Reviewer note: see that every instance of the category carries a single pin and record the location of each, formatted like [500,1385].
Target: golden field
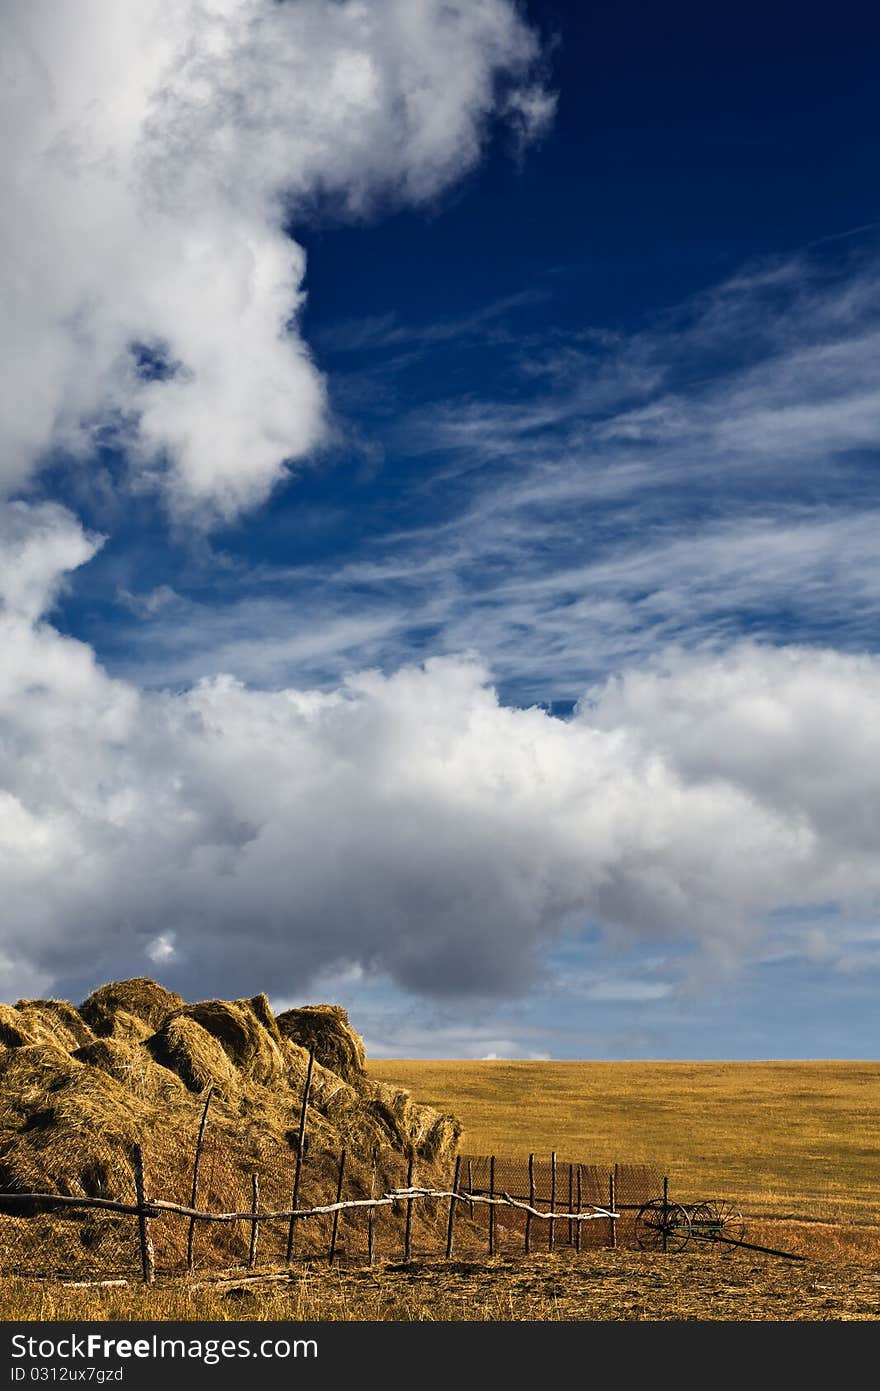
[796,1145]
[784,1139]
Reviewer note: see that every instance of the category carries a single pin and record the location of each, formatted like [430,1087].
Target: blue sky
[438,520]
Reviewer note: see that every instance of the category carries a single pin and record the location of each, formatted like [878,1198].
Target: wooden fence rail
[152,1207]
[146,1208]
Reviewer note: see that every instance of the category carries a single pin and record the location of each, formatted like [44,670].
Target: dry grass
[785,1139]
[604,1285]
[794,1144]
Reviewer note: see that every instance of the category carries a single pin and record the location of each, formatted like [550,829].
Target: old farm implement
[664,1225]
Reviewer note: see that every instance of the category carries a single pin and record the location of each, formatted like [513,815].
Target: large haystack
[79,1088]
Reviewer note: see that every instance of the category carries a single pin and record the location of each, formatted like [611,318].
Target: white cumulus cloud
[409,824]
[154,154]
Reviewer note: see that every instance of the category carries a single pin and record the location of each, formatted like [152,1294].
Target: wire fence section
[556,1186]
[46,1239]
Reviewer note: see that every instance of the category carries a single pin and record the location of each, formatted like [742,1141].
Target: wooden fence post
[371,1235]
[148,1260]
[551,1236]
[194,1192]
[453,1204]
[492,1205]
[407,1233]
[531,1203]
[255,1204]
[303,1116]
[339,1200]
[578,1225]
[612,1199]
[665,1213]
[470,1182]
[571,1204]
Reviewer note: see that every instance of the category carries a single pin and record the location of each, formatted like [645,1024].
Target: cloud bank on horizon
[154,155]
[410,823]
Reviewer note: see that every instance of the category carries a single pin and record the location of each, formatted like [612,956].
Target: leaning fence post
[303,1115]
[531,1203]
[470,1184]
[255,1203]
[453,1203]
[197,1159]
[577,1225]
[492,1205]
[148,1260]
[339,1200]
[612,1199]
[407,1232]
[552,1223]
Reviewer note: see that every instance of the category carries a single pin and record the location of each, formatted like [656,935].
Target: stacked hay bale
[134,1065]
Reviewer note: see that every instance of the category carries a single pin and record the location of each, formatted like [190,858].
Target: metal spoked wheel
[663,1226]
[718,1222]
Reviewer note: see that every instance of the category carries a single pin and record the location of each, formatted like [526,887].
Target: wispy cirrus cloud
[380,332]
[545,632]
[706,477]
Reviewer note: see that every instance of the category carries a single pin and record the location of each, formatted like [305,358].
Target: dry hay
[326,1029]
[55,1021]
[127,1026]
[410,1126]
[13,1030]
[63,1126]
[132,1064]
[193,1054]
[79,1088]
[139,997]
[247,1033]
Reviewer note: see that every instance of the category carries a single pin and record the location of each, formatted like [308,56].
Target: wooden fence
[147,1208]
[574,1204]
